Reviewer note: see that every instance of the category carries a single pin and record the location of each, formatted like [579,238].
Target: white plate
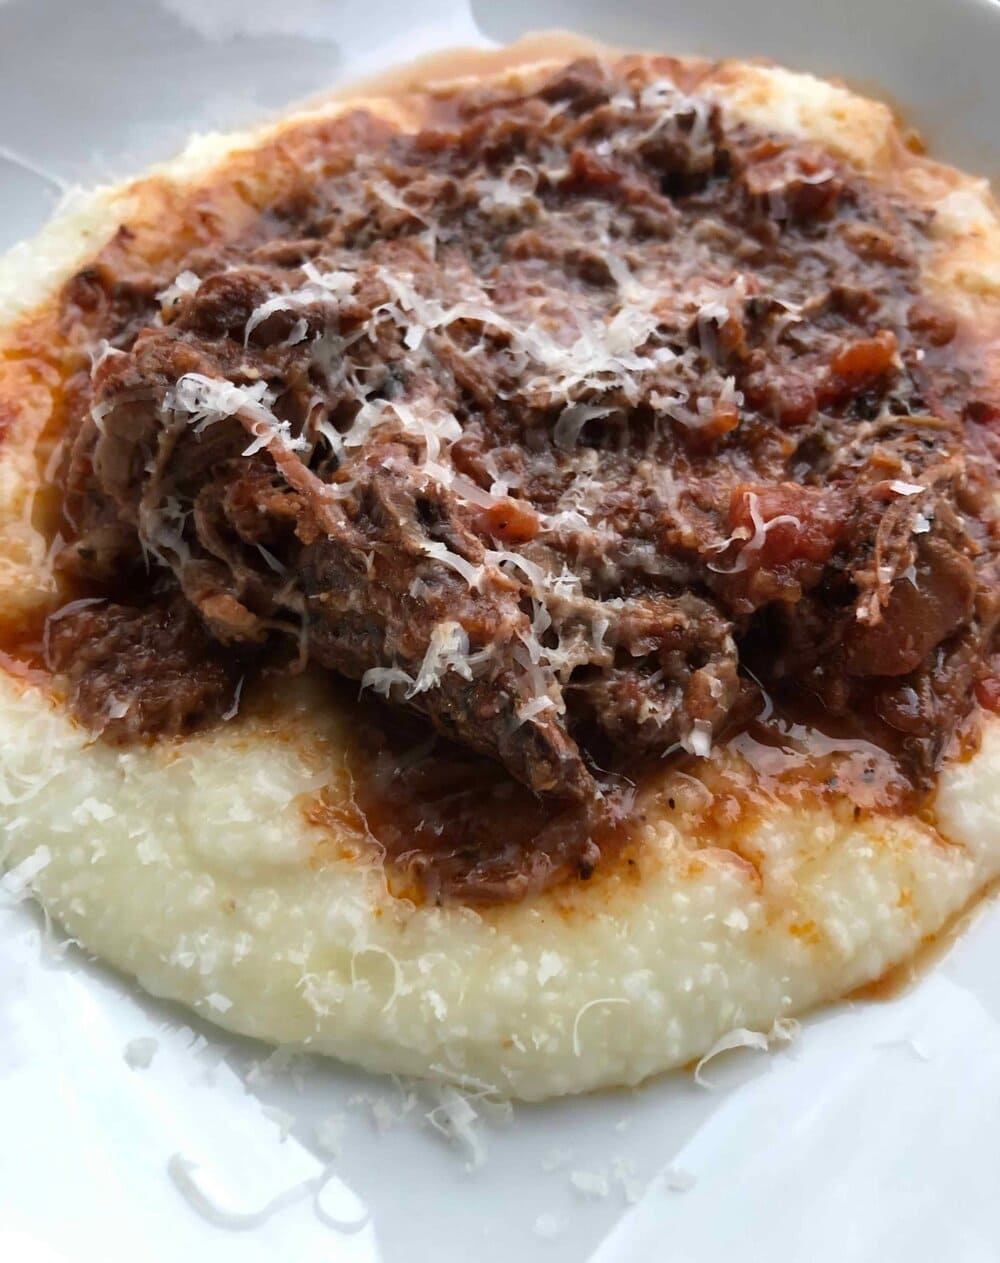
[873,1137]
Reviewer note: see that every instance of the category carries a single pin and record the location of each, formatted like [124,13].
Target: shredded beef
[137,671]
[560,422]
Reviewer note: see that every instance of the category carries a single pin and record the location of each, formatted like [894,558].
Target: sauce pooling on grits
[454,825]
[613,443]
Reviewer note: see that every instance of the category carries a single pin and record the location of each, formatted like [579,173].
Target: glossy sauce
[448,821]
[455,825]
[439,815]
[431,808]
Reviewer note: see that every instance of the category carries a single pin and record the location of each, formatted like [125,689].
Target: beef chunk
[544,423]
[138,672]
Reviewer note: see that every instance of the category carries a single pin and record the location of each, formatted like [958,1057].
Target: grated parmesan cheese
[754,540]
[184,283]
[590,1184]
[207,400]
[455,1118]
[139,1053]
[17,881]
[678,1180]
[382,679]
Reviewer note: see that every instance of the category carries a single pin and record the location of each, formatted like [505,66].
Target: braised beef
[559,422]
[135,671]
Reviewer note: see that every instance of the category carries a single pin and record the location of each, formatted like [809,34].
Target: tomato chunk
[799,524]
[861,362]
[511,521]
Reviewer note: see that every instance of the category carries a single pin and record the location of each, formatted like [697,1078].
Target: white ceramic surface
[872,1137]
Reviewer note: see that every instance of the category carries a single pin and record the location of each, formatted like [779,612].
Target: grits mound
[193,869]
[193,865]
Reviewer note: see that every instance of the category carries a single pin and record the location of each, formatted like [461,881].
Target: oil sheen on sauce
[433,809]
[453,826]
